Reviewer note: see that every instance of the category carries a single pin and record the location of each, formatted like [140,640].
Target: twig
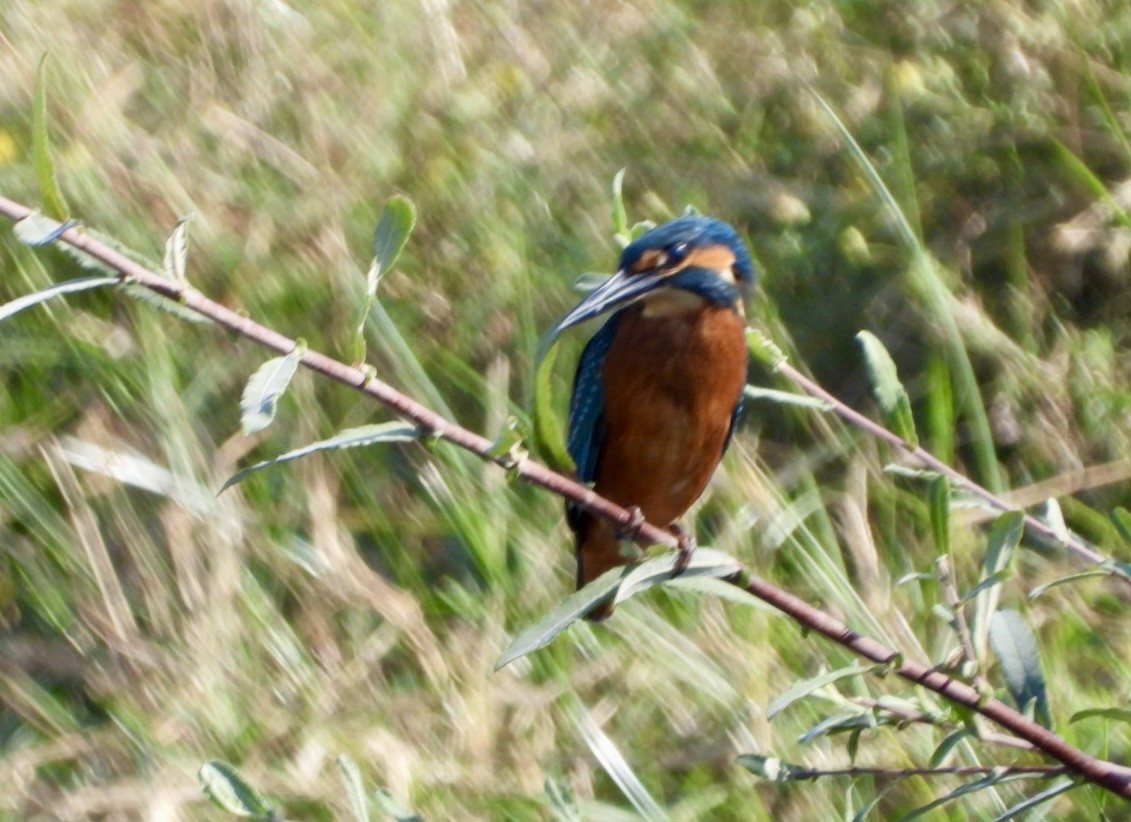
[962,628]
[1114,778]
[1070,542]
[908,715]
[1038,771]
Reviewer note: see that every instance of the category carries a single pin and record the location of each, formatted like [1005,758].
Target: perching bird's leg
[686,547]
[630,529]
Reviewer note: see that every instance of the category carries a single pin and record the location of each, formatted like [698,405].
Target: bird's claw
[630,528]
[685,545]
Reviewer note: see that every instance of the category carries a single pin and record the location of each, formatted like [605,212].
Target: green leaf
[981,784]
[1118,714]
[940,514]
[763,349]
[391,806]
[947,745]
[755,392]
[839,723]
[37,229]
[176,251]
[1001,543]
[151,298]
[1045,586]
[547,425]
[355,792]
[705,562]
[349,438]
[1015,811]
[68,287]
[889,392]
[806,687]
[227,789]
[509,446]
[562,804]
[1122,519]
[53,203]
[1020,660]
[565,614]
[398,218]
[620,216]
[718,588]
[260,397]
[770,767]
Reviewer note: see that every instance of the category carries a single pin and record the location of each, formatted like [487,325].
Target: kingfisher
[659,387]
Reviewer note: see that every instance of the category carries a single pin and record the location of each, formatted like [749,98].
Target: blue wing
[587,405]
[734,417]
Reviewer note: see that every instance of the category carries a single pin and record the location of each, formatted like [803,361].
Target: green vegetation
[961,197]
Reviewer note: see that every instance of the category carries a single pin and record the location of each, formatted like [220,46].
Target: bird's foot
[630,528]
[685,545]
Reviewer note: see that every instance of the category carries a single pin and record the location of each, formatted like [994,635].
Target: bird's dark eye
[678,251]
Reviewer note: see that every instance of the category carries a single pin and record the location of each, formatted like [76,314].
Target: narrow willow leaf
[176,251]
[838,723]
[547,425]
[349,438]
[1033,801]
[1118,714]
[806,687]
[53,203]
[987,781]
[889,392]
[755,392]
[718,588]
[151,298]
[37,229]
[565,614]
[1043,587]
[763,349]
[940,514]
[1054,517]
[509,446]
[985,584]
[355,792]
[562,804]
[260,397]
[705,562]
[398,218]
[1122,519]
[1001,543]
[769,767]
[391,806]
[947,745]
[1020,660]
[620,216]
[68,287]
[225,787]
[639,229]
[617,767]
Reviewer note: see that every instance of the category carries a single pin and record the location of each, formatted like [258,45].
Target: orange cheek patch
[650,259]
[711,257]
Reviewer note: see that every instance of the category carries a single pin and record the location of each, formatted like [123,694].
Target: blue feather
[587,405]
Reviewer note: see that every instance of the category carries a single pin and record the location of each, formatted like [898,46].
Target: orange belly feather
[671,384]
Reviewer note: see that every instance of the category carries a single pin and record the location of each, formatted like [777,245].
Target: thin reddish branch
[927,459]
[1106,774]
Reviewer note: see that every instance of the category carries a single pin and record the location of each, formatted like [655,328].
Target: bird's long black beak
[618,291]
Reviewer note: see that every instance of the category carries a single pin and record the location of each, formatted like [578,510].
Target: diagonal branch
[1046,532]
[1114,778]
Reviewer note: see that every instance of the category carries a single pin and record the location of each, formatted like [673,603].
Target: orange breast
[671,386]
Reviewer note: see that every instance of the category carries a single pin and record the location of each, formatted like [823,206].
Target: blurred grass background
[355,603]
